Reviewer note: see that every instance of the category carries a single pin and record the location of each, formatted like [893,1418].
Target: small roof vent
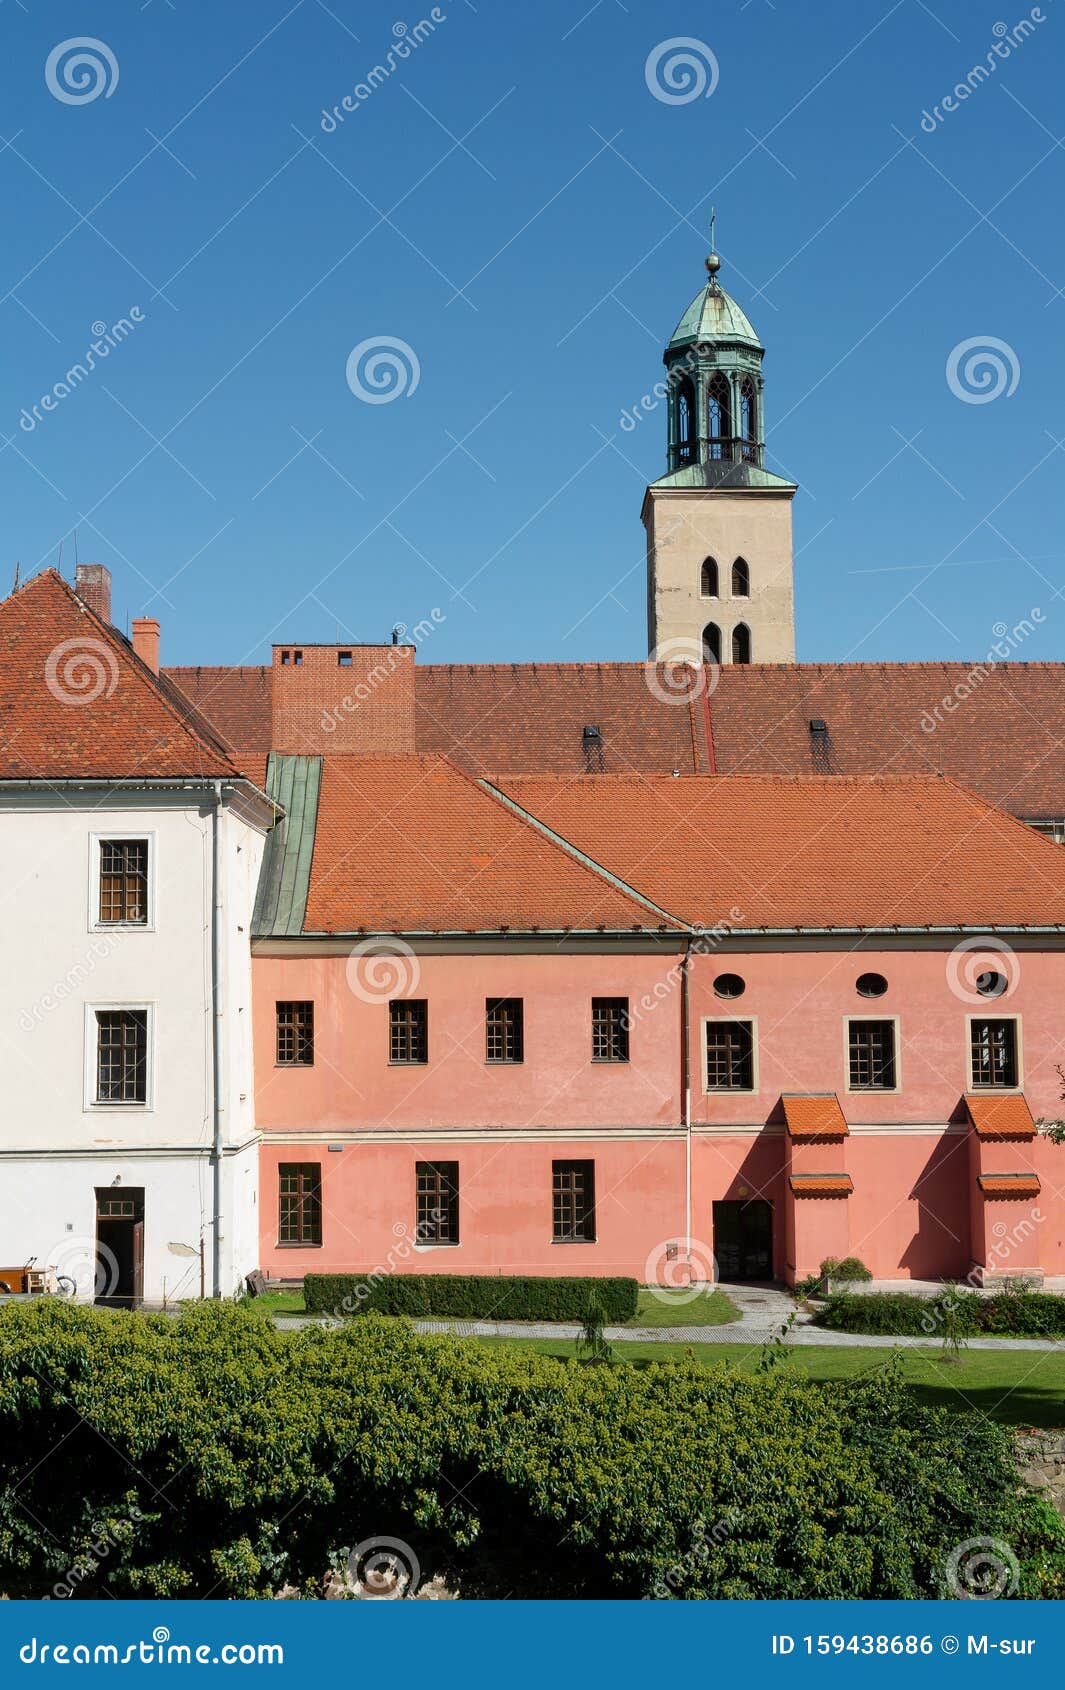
[592,746]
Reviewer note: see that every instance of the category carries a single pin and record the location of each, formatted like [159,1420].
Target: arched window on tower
[718,415]
[741,579]
[708,579]
[741,643]
[748,419]
[711,643]
[686,443]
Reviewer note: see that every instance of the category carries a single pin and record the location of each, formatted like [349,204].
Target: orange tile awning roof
[1009,1185]
[821,1185]
[814,1115]
[1000,1117]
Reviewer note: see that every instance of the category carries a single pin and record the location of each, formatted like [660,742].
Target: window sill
[574,1240]
[504,1061]
[293,1064]
[298,1246]
[610,1061]
[414,1062]
[438,1244]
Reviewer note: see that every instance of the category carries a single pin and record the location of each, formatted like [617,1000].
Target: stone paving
[763,1311]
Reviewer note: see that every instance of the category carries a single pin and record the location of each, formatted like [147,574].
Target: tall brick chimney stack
[146,641]
[92,583]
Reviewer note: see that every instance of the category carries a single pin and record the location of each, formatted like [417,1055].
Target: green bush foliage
[470,1296]
[1019,1314]
[216,1456]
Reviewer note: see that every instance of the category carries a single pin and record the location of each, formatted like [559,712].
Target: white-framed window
[730,1054]
[995,1052]
[122,882]
[119,1055]
[872,1055]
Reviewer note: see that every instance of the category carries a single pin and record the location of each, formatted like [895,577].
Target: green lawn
[1018,1387]
[655,1308]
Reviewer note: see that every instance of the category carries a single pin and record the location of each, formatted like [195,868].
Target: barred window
[438,1202]
[295,1035]
[124,881]
[573,1202]
[122,1056]
[408,1030]
[610,1029]
[729,1056]
[993,1046]
[299,1219]
[504,1030]
[871,1055]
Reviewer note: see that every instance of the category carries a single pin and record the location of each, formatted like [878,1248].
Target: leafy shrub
[469,1296]
[850,1270]
[960,1313]
[214,1455]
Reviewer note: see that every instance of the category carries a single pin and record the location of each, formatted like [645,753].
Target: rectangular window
[295,1035]
[610,1029]
[121,1056]
[573,1202]
[993,1046]
[123,882]
[299,1214]
[408,1030]
[729,1056]
[438,1202]
[871,1055]
[504,1030]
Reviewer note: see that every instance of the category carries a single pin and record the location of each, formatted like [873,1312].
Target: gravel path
[763,1311]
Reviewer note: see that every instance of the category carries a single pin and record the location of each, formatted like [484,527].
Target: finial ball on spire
[713,264]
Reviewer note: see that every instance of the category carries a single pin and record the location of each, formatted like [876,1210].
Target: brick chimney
[146,641]
[92,584]
[353,698]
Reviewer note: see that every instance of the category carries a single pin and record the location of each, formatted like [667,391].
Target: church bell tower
[719,563]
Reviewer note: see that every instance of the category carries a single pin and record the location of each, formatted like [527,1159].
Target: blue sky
[516,205]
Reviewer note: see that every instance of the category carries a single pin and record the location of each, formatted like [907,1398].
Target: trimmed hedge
[470,1296]
[214,1455]
[1020,1314]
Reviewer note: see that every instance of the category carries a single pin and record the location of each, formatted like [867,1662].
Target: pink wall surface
[912,1212]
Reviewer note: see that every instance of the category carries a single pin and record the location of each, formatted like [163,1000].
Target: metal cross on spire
[713,262]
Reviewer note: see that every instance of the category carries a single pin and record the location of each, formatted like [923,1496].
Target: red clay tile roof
[853,852]
[814,1115]
[76,702]
[821,1185]
[413,844]
[1000,1117]
[1004,736]
[524,717]
[237,702]
[1009,1185]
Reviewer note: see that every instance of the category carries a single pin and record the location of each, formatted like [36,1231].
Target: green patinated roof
[713,315]
[281,898]
[726,474]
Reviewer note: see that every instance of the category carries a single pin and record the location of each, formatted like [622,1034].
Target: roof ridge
[144,674]
[588,863]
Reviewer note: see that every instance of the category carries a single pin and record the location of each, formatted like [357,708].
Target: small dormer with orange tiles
[817,1185]
[1005,1220]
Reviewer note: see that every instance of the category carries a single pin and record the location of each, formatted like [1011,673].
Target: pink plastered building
[655,1026]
